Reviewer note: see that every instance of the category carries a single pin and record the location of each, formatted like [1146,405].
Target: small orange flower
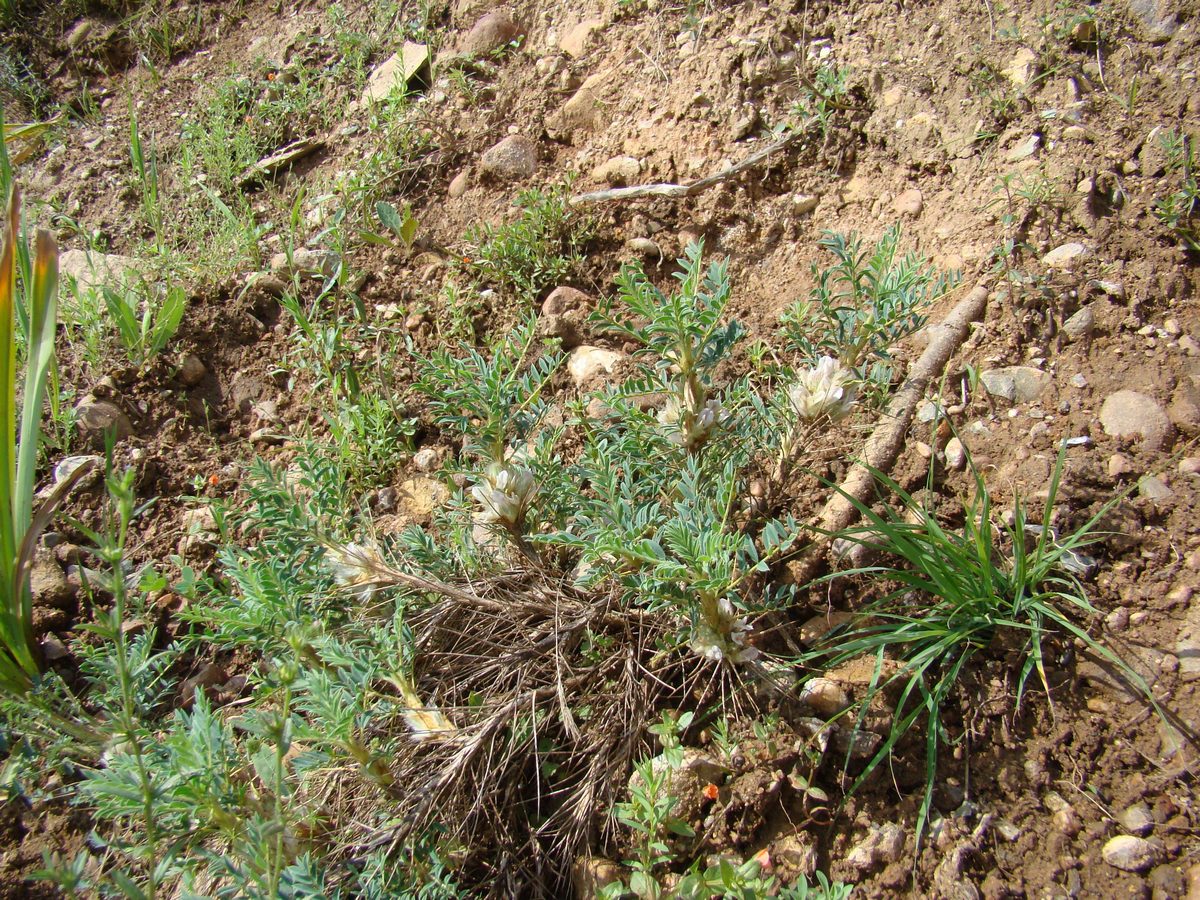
[711,791]
[271,76]
[214,479]
[763,858]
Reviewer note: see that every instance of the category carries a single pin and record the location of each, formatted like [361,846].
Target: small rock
[591,874]
[1160,21]
[420,496]
[909,203]
[493,31]
[1152,488]
[563,300]
[587,364]
[92,271]
[1023,68]
[95,418]
[619,170]
[512,159]
[956,454]
[48,583]
[426,459]
[881,846]
[1184,411]
[1119,465]
[1081,324]
[266,437]
[1137,820]
[568,328]
[575,42]
[687,782]
[803,204]
[1189,465]
[824,697]
[1167,882]
[814,629]
[398,70]
[210,675]
[1067,821]
[459,184]
[1025,149]
[306,261]
[644,247]
[1017,384]
[191,370]
[1065,255]
[1129,853]
[797,853]
[53,648]
[1132,414]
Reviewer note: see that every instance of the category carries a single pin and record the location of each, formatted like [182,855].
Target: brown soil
[675,99]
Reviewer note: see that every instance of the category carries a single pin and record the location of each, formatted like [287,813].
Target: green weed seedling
[1178,210]
[144,323]
[952,595]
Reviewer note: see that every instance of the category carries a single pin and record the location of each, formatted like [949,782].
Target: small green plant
[823,95]
[401,224]
[1178,210]
[955,594]
[542,248]
[144,323]
[146,169]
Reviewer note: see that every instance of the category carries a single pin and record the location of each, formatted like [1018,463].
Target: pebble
[308,262]
[620,170]
[426,459]
[1065,255]
[1079,380]
[575,42]
[644,247]
[824,697]
[1025,149]
[909,203]
[1119,465]
[1081,324]
[1017,384]
[1189,465]
[191,370]
[956,454]
[53,648]
[491,32]
[1129,853]
[97,417]
[803,204]
[1137,820]
[1152,488]
[882,845]
[67,466]
[1133,414]
[459,184]
[587,364]
[1023,67]
[512,159]
[563,300]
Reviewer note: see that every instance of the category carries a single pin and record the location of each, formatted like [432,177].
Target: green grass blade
[8,397]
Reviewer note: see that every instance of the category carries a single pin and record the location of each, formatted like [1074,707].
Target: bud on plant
[354,566]
[722,634]
[706,419]
[827,389]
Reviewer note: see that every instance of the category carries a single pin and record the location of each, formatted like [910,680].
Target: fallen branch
[688,190]
[886,441]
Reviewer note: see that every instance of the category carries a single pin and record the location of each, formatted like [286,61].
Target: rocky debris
[1189,465]
[491,32]
[1023,68]
[1080,324]
[563,300]
[1184,411]
[882,845]
[803,204]
[584,111]
[199,531]
[1130,853]
[1024,149]
[855,743]
[306,261]
[53,649]
[48,582]
[591,874]
[512,159]
[909,203]
[620,170]
[824,697]
[92,271]
[1017,384]
[817,627]
[96,418]
[1065,256]
[575,42]
[1120,466]
[459,184]
[1157,16]
[420,496]
[191,370]
[267,437]
[686,783]
[587,364]
[956,454]
[1137,820]
[795,854]
[1153,488]
[426,459]
[644,247]
[401,69]
[1133,414]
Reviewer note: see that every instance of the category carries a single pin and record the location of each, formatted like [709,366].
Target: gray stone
[1065,255]
[1130,854]
[1017,384]
[493,31]
[882,845]
[620,170]
[192,370]
[69,465]
[426,459]
[1151,487]
[1023,67]
[1157,17]
[584,111]
[1025,149]
[53,648]
[956,454]
[1132,414]
[459,184]
[1137,820]
[307,261]
[91,271]
[1081,324]
[512,159]
[95,418]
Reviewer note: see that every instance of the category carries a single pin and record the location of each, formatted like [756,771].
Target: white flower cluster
[710,416]
[827,389]
[353,567]
[727,637]
[504,493]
